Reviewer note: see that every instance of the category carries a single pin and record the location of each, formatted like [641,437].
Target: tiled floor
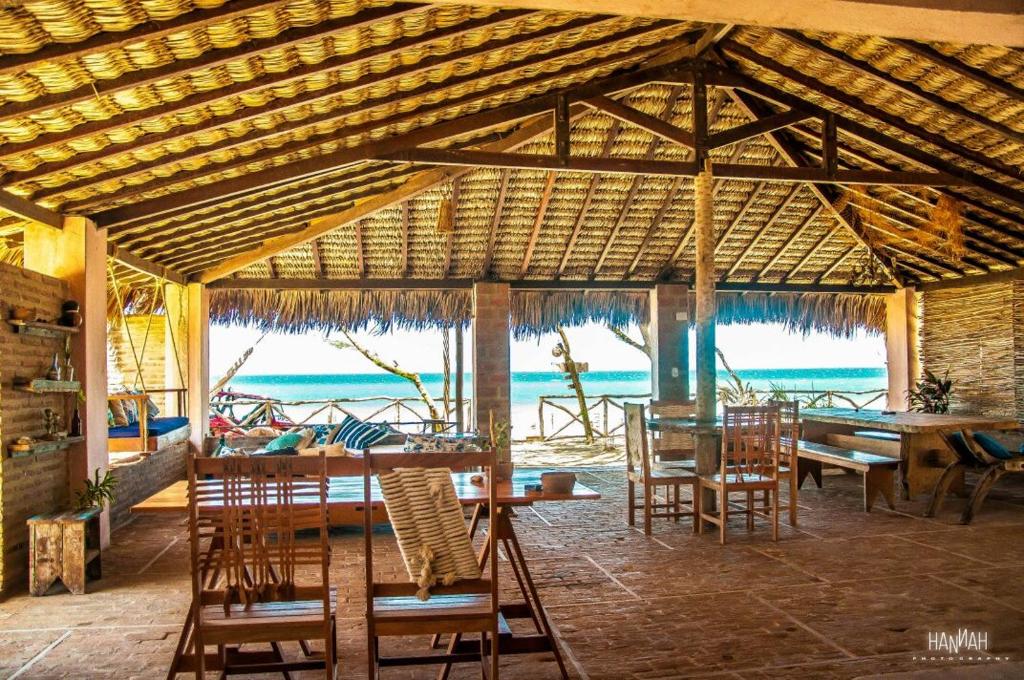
[848,594]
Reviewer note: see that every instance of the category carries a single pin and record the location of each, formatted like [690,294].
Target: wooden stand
[64,546]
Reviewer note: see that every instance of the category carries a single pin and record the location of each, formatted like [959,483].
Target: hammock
[427,519]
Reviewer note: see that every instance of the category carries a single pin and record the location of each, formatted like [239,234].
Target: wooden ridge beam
[647,167]
[484,120]
[143,265]
[538,221]
[279,105]
[906,87]
[211,97]
[756,128]
[779,210]
[797,233]
[519,284]
[873,136]
[646,122]
[492,233]
[413,187]
[588,199]
[27,210]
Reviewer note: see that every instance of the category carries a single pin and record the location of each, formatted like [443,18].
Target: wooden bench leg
[648,499]
[631,501]
[805,467]
[879,480]
[985,484]
[942,488]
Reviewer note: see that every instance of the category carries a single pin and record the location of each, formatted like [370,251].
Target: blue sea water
[528,387]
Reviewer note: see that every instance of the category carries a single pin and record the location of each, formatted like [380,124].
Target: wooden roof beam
[793,237]
[990,82]
[27,210]
[812,251]
[588,199]
[357,244]
[460,126]
[316,96]
[646,122]
[403,261]
[839,261]
[143,265]
[538,221]
[906,87]
[492,233]
[449,245]
[318,263]
[782,207]
[659,217]
[756,128]
[873,136]
[271,268]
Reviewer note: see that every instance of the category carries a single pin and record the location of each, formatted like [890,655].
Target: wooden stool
[65,546]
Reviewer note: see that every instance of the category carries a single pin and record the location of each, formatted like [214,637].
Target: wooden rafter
[27,210]
[538,221]
[756,128]
[776,214]
[646,122]
[318,263]
[741,214]
[271,269]
[634,186]
[357,245]
[873,136]
[143,265]
[449,244]
[279,105]
[217,57]
[588,198]
[492,233]
[297,170]
[906,87]
[918,248]
[990,82]
[826,237]
[677,184]
[792,238]
[843,257]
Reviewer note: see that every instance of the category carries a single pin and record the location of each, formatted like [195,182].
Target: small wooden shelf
[42,329]
[46,446]
[44,386]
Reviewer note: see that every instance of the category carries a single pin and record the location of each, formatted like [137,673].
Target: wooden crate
[64,546]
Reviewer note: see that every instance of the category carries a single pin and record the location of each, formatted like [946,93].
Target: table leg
[923,458]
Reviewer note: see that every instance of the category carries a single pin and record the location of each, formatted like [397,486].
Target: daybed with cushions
[351,433]
[135,425]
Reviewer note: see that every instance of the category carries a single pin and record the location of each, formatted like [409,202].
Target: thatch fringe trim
[533,312]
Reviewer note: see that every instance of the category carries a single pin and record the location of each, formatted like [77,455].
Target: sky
[753,346]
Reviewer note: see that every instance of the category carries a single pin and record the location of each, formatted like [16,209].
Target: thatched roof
[533,312]
[199,133]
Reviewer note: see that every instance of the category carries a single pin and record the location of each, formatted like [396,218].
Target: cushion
[355,434]
[961,447]
[131,410]
[110,416]
[116,407]
[324,434]
[444,442]
[290,440]
[371,436]
[158,427]
[347,426]
[992,446]
[152,410]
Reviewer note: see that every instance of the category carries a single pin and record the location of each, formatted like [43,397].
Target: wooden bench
[879,471]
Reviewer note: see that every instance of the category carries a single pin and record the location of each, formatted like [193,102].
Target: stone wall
[977,334]
[121,357]
[142,476]
[33,484]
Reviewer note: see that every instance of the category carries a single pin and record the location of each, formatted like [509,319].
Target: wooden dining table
[345,505]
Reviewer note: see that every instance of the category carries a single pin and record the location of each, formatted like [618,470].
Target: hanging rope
[172,324]
[124,322]
[145,338]
[447,361]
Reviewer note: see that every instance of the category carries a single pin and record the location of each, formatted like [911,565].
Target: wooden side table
[65,546]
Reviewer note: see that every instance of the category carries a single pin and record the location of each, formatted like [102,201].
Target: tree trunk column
[901,346]
[670,346]
[198,363]
[492,377]
[704,228]
[78,254]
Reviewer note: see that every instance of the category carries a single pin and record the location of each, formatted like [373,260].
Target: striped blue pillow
[347,425]
[371,436]
[355,435]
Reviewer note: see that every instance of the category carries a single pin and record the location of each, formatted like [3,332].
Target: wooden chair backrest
[637,452]
[750,440]
[789,430]
[680,443]
[254,507]
[378,463]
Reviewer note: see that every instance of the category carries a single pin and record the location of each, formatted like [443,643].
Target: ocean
[528,387]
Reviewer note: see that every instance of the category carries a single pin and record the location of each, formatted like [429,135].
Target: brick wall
[977,333]
[141,478]
[121,366]
[33,484]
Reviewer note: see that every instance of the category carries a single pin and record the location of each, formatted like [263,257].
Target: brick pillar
[670,347]
[198,363]
[492,377]
[78,254]
[901,346]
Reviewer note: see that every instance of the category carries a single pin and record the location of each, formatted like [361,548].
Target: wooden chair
[789,423]
[254,578]
[640,471]
[750,459]
[419,607]
[674,449]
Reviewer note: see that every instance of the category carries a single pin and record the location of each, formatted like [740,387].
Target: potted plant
[931,393]
[97,492]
